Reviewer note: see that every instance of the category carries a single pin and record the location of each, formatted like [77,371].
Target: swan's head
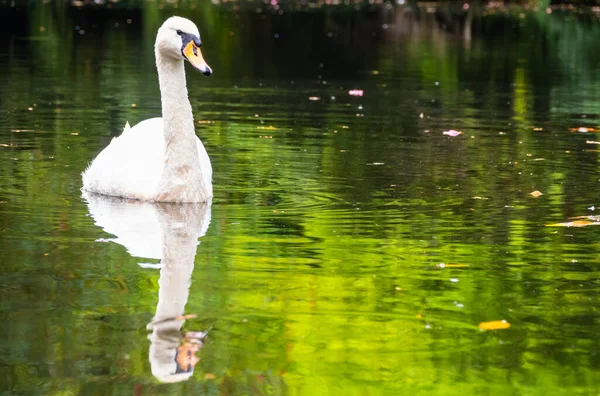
[179,38]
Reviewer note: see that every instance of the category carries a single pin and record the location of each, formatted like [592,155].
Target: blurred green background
[320,272]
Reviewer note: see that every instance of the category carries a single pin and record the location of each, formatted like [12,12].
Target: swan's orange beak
[193,54]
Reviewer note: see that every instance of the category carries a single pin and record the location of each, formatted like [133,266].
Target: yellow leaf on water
[443,265]
[494,325]
[576,223]
[536,194]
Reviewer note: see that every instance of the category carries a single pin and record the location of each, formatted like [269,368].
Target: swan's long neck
[181,153]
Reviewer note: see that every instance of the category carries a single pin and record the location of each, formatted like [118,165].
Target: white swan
[160,159]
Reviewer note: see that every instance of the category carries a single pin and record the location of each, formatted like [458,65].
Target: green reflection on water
[320,269]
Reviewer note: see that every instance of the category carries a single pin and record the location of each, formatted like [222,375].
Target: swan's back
[132,164]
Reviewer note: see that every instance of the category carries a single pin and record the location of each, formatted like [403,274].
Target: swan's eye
[179,32]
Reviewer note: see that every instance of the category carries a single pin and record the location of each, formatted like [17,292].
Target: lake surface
[351,247]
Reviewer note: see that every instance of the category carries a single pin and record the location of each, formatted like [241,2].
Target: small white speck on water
[454,280]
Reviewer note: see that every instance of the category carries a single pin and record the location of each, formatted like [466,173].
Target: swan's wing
[131,164]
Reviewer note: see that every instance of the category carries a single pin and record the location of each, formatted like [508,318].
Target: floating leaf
[443,265]
[314,98]
[590,217]
[536,194]
[494,325]
[592,142]
[479,198]
[576,223]
[268,128]
[583,130]
[452,133]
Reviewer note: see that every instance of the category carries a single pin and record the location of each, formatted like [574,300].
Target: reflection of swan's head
[179,38]
[173,357]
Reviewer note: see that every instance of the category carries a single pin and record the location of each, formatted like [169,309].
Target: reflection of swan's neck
[179,251]
[181,226]
[181,153]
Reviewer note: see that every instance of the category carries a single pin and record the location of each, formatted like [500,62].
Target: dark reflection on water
[320,271]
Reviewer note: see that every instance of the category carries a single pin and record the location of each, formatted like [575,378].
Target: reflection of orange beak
[194,55]
[186,356]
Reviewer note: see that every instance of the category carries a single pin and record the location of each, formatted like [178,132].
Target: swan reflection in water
[169,233]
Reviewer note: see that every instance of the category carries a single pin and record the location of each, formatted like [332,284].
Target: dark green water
[320,270]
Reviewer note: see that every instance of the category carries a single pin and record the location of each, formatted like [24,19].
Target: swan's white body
[132,166]
[159,159]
